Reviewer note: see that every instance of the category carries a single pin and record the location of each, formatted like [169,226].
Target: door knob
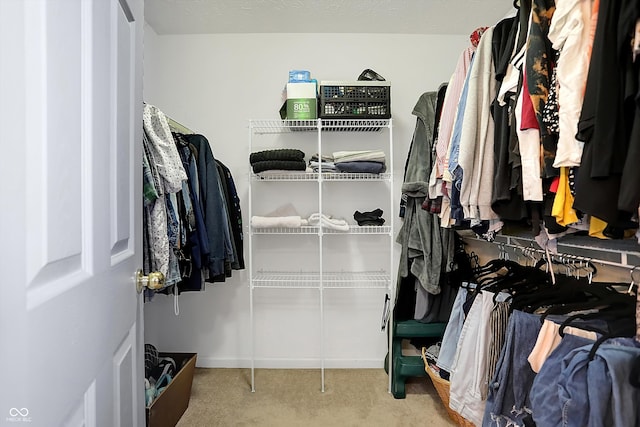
[155,280]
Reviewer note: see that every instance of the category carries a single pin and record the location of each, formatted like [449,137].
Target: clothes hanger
[598,298]
[178,127]
[599,341]
[565,290]
[585,327]
[572,294]
[518,279]
[612,316]
[633,282]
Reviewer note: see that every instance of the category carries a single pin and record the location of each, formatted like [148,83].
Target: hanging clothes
[234,213]
[538,68]
[166,167]
[564,83]
[420,235]
[515,312]
[447,117]
[476,138]
[569,34]
[213,208]
[607,115]
[193,220]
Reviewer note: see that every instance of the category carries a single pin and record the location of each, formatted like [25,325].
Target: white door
[70,213]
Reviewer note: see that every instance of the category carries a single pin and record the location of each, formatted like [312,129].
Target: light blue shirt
[457,124]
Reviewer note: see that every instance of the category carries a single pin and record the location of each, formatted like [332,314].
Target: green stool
[409,366]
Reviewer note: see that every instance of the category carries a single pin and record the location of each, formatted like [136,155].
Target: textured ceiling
[323,16]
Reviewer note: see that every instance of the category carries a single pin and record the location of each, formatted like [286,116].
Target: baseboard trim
[212,362]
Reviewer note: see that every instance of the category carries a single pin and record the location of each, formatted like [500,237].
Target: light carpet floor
[292,397]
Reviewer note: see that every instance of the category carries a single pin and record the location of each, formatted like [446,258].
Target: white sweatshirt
[569,33]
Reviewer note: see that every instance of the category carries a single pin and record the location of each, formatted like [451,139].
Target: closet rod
[581,250]
[178,127]
[591,254]
[562,258]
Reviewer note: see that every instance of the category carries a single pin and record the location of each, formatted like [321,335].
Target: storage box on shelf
[167,409]
[355,100]
[302,101]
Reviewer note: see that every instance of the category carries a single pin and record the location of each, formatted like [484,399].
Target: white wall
[214,84]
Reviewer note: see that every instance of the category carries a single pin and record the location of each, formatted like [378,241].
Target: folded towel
[277,221]
[278,154]
[328,222]
[361,167]
[292,165]
[353,156]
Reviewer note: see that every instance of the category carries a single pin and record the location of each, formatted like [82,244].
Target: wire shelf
[282,126]
[285,176]
[305,229]
[311,229]
[313,176]
[347,176]
[329,125]
[311,280]
[283,279]
[356,280]
[354,125]
[357,229]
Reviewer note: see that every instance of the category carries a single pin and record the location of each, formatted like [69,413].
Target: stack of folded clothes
[282,159]
[367,161]
[327,164]
[369,218]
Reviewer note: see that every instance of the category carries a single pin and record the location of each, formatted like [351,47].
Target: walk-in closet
[301,212]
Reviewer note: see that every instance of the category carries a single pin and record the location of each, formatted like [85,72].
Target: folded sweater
[278,154]
[289,165]
[361,167]
[353,156]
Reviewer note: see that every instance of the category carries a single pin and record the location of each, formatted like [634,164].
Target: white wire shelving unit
[321,279]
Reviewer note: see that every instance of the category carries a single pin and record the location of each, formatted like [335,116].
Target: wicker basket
[442,388]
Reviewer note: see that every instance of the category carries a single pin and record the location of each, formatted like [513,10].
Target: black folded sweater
[288,165]
[278,154]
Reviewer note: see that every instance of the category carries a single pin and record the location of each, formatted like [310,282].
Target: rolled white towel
[328,222]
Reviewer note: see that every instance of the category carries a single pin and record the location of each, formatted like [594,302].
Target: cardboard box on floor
[167,409]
